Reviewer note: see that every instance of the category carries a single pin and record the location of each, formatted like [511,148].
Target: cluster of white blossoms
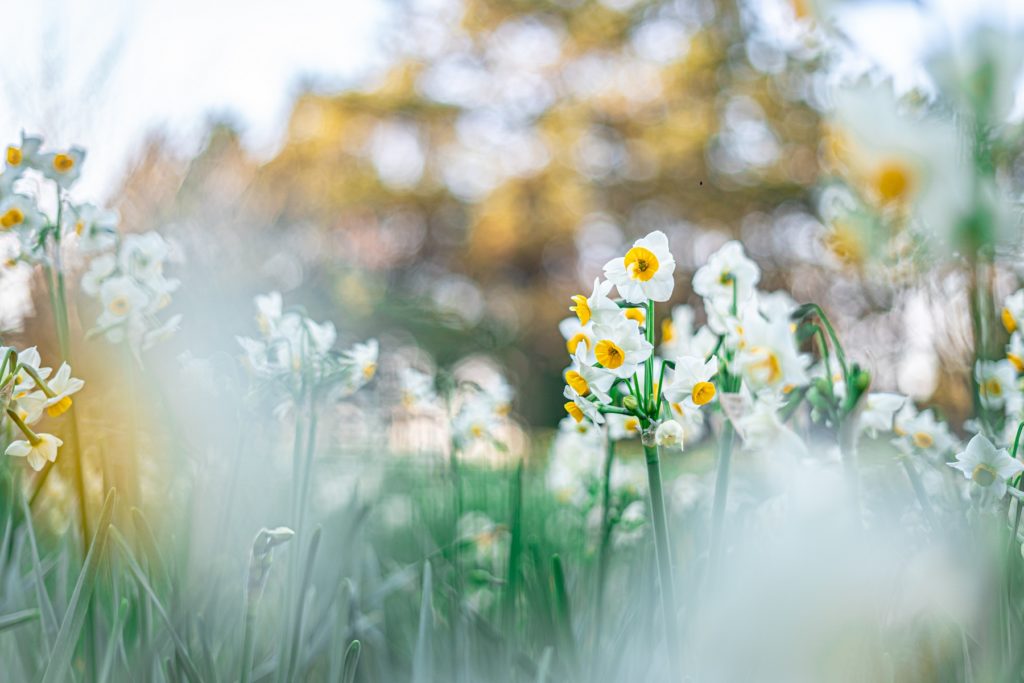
[27,392]
[295,352]
[750,363]
[128,280]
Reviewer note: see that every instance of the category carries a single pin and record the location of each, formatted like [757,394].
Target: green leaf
[49,616]
[74,618]
[300,604]
[18,618]
[423,659]
[348,674]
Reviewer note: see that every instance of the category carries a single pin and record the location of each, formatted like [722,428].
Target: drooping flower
[669,434]
[62,385]
[987,466]
[586,379]
[578,407]
[38,453]
[645,272]
[997,384]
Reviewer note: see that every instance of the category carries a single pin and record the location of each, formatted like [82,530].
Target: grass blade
[18,618]
[348,673]
[49,616]
[563,617]
[151,550]
[300,604]
[423,660]
[74,618]
[183,659]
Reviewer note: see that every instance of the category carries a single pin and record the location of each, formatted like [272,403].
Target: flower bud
[630,403]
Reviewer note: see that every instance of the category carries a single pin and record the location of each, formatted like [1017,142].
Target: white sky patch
[104,73]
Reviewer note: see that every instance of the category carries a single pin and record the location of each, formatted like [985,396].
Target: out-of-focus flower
[620,347]
[18,158]
[1015,351]
[763,431]
[987,466]
[1012,313]
[678,337]
[96,228]
[921,432]
[646,270]
[361,362]
[622,426]
[879,411]
[997,385]
[19,213]
[727,276]
[43,449]
[417,388]
[62,167]
[768,356]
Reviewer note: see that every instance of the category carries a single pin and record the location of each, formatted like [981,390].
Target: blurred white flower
[987,466]
[96,228]
[922,432]
[38,453]
[578,335]
[997,385]
[768,356]
[879,412]
[62,167]
[669,434]
[622,426]
[727,276]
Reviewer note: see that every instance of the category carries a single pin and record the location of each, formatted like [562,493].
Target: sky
[106,73]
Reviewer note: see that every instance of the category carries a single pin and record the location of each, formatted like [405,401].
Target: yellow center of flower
[582,308]
[503,409]
[13,156]
[476,431]
[984,475]
[119,305]
[991,388]
[574,411]
[1017,361]
[637,315]
[575,341]
[768,368]
[60,407]
[62,163]
[12,217]
[668,331]
[923,440]
[725,278]
[79,226]
[577,383]
[846,244]
[609,354]
[631,424]
[369,370]
[703,392]
[641,264]
[892,182]
[1008,321]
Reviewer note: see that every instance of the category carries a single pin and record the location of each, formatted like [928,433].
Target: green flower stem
[922,495]
[807,309]
[663,551]
[31,372]
[648,399]
[721,494]
[29,434]
[605,542]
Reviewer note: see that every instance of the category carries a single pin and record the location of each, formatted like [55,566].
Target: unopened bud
[630,403]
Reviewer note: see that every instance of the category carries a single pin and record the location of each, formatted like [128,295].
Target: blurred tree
[509,151]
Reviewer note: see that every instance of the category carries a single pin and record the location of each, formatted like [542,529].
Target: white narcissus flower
[268,312]
[922,432]
[29,407]
[63,385]
[620,348]
[622,426]
[1015,351]
[38,453]
[691,381]
[586,379]
[669,434]
[597,306]
[96,228]
[579,407]
[100,269]
[578,337]
[1013,311]
[476,420]
[23,156]
[23,382]
[997,384]
[416,388]
[727,271]
[645,272]
[679,339]
[768,356]
[18,212]
[122,298]
[879,411]
[143,255]
[63,167]
[762,430]
[361,361]
[987,466]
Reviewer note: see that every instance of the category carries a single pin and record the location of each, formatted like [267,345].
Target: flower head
[645,272]
[987,466]
[586,379]
[691,381]
[727,276]
[597,306]
[997,384]
[63,167]
[578,407]
[669,434]
[620,347]
[38,453]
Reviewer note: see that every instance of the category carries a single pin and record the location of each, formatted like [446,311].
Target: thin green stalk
[602,556]
[648,398]
[922,495]
[721,495]
[663,550]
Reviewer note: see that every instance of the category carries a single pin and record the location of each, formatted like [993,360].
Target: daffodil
[597,306]
[417,388]
[63,168]
[1015,351]
[361,362]
[19,213]
[727,276]
[95,228]
[38,452]
[691,383]
[60,389]
[768,356]
[122,298]
[100,268]
[586,379]
[922,432]
[987,466]
[645,272]
[1012,313]
[269,309]
[622,426]
[620,347]
[142,256]
[879,411]
[669,434]
[24,381]
[578,337]
[578,407]
[997,384]
[762,430]
[475,421]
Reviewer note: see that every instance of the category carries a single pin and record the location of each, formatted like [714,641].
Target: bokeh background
[449,172]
